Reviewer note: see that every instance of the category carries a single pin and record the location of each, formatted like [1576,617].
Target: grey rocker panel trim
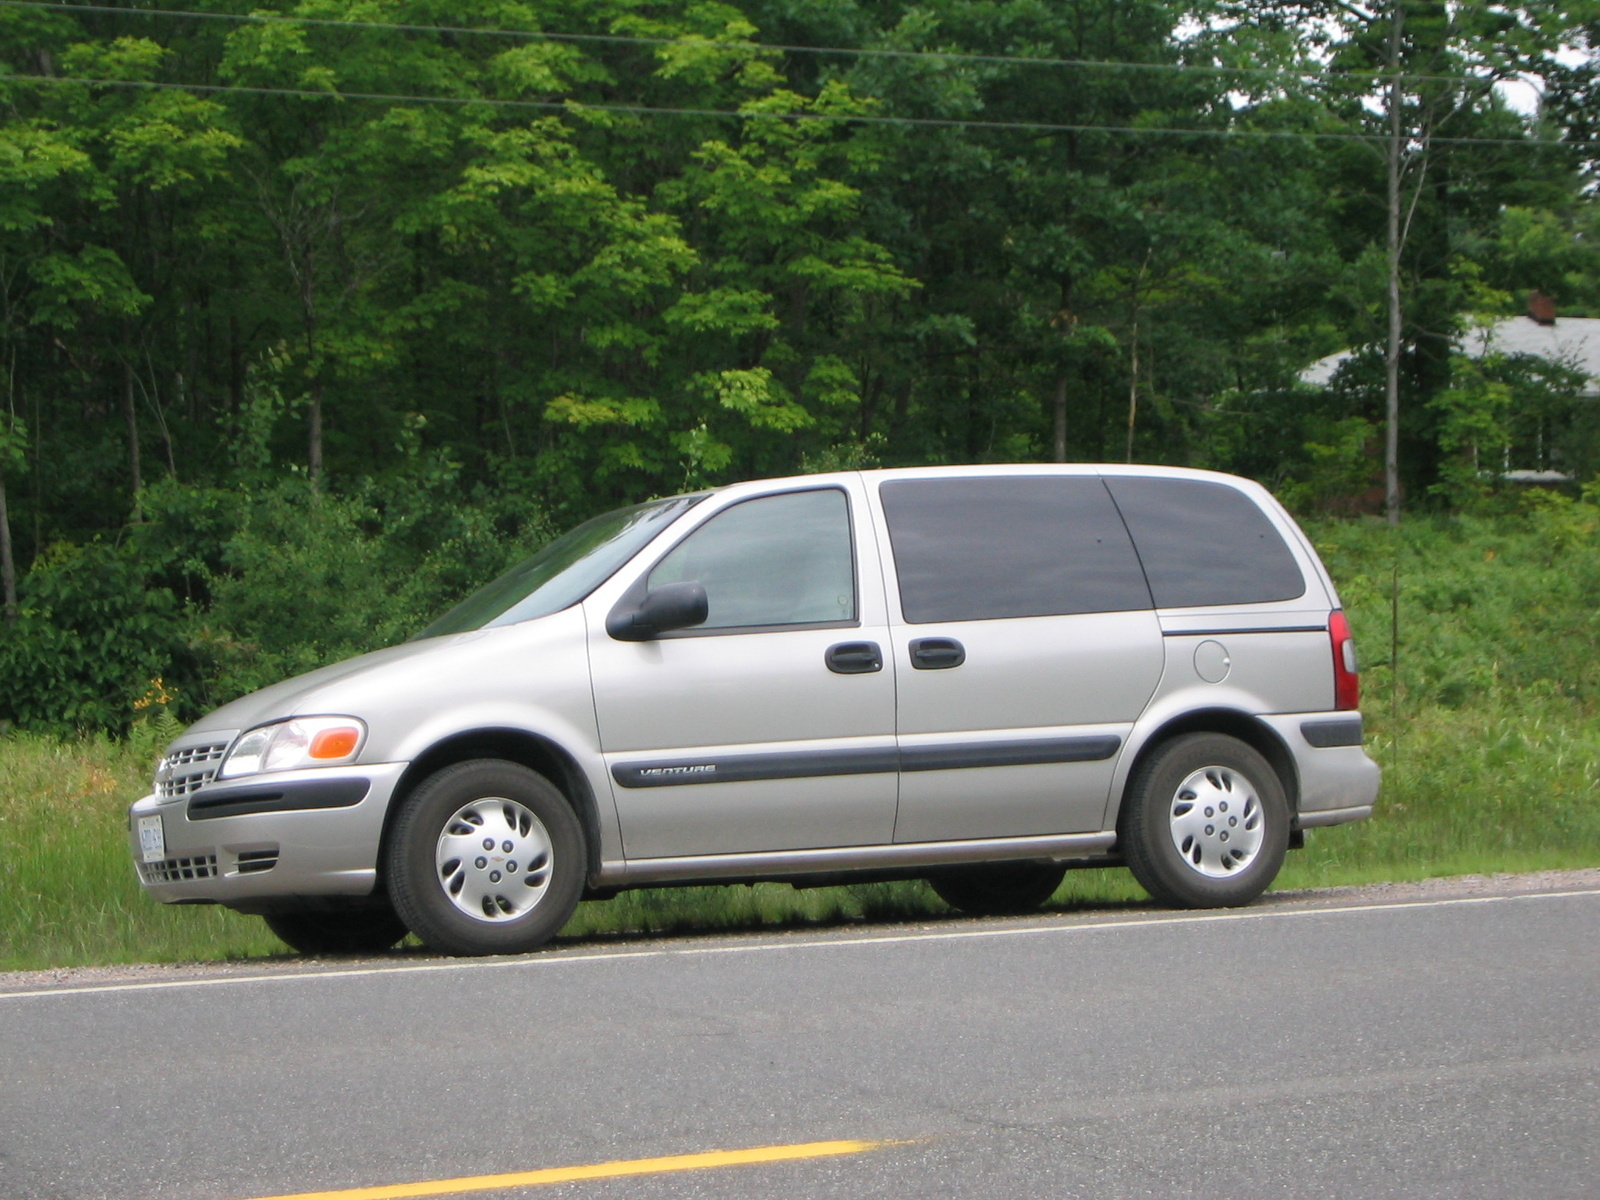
[1342,731]
[871,760]
[1318,818]
[1060,847]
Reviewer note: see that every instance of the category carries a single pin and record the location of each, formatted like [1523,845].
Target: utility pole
[1391,357]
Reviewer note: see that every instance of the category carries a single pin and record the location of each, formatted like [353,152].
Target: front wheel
[486,857]
[1205,823]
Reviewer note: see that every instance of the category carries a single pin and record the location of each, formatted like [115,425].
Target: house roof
[1571,340]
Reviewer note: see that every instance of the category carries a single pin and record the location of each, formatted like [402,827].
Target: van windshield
[565,571]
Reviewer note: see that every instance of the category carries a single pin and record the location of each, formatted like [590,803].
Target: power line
[757,47]
[578,107]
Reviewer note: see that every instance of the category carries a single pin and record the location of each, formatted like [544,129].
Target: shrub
[89,637]
[219,592]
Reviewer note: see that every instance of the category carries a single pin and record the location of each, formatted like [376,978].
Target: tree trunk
[235,366]
[1060,423]
[314,409]
[166,429]
[1133,354]
[130,414]
[1391,356]
[314,456]
[8,568]
[901,410]
[37,476]
[1133,386]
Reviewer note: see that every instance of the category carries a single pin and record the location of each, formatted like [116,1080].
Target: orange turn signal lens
[335,743]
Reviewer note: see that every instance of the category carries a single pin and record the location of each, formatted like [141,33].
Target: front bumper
[249,843]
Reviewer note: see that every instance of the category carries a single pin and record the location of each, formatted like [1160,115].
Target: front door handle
[937,654]
[854,658]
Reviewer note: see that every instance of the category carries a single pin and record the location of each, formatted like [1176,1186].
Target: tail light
[1346,681]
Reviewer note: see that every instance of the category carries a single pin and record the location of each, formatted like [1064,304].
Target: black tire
[359,931]
[474,903]
[1205,823]
[998,889]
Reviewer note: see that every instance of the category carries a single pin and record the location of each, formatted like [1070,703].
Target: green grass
[1485,727]
[68,894]
[1469,791]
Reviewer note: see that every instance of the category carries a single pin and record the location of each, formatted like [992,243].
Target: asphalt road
[1445,1046]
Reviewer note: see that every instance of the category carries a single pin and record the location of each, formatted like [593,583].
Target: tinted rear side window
[986,548]
[1205,543]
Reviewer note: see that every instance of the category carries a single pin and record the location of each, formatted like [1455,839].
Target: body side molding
[870,760]
[1338,731]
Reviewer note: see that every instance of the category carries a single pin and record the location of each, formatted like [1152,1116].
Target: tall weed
[1481,683]
[68,893]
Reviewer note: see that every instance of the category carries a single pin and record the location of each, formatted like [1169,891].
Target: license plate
[152,840]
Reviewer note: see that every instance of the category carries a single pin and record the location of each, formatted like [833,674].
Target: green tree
[1420,77]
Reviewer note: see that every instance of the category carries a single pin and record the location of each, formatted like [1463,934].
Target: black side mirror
[670,606]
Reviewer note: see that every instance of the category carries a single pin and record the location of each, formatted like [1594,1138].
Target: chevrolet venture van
[980,676]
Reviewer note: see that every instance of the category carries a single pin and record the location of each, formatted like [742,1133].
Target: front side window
[775,560]
[992,547]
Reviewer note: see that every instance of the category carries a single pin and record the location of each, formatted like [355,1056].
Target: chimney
[1541,308]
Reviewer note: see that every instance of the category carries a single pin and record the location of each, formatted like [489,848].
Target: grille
[252,862]
[175,870]
[189,769]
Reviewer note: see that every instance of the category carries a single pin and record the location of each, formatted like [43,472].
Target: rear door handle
[937,654]
[854,658]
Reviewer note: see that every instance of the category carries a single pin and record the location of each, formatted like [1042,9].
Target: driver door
[771,725]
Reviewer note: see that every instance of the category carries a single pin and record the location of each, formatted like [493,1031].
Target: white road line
[558,959]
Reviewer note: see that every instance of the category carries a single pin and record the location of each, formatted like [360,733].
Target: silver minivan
[978,676]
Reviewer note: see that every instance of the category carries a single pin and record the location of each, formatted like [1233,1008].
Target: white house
[1573,341]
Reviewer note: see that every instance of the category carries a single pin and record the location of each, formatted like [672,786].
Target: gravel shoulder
[1422,891]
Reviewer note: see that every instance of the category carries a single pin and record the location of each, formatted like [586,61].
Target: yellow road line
[610,1170]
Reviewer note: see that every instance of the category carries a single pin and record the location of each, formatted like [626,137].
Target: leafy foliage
[308,325]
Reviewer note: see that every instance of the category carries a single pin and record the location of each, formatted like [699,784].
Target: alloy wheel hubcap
[1216,822]
[493,859]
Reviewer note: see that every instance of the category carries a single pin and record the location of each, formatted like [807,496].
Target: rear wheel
[360,931]
[1206,822]
[486,857]
[999,888]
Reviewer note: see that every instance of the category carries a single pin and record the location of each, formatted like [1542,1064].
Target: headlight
[288,745]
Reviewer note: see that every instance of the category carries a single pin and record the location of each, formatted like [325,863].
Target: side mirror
[670,606]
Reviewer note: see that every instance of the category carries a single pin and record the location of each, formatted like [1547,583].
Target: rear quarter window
[992,547]
[1205,543]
